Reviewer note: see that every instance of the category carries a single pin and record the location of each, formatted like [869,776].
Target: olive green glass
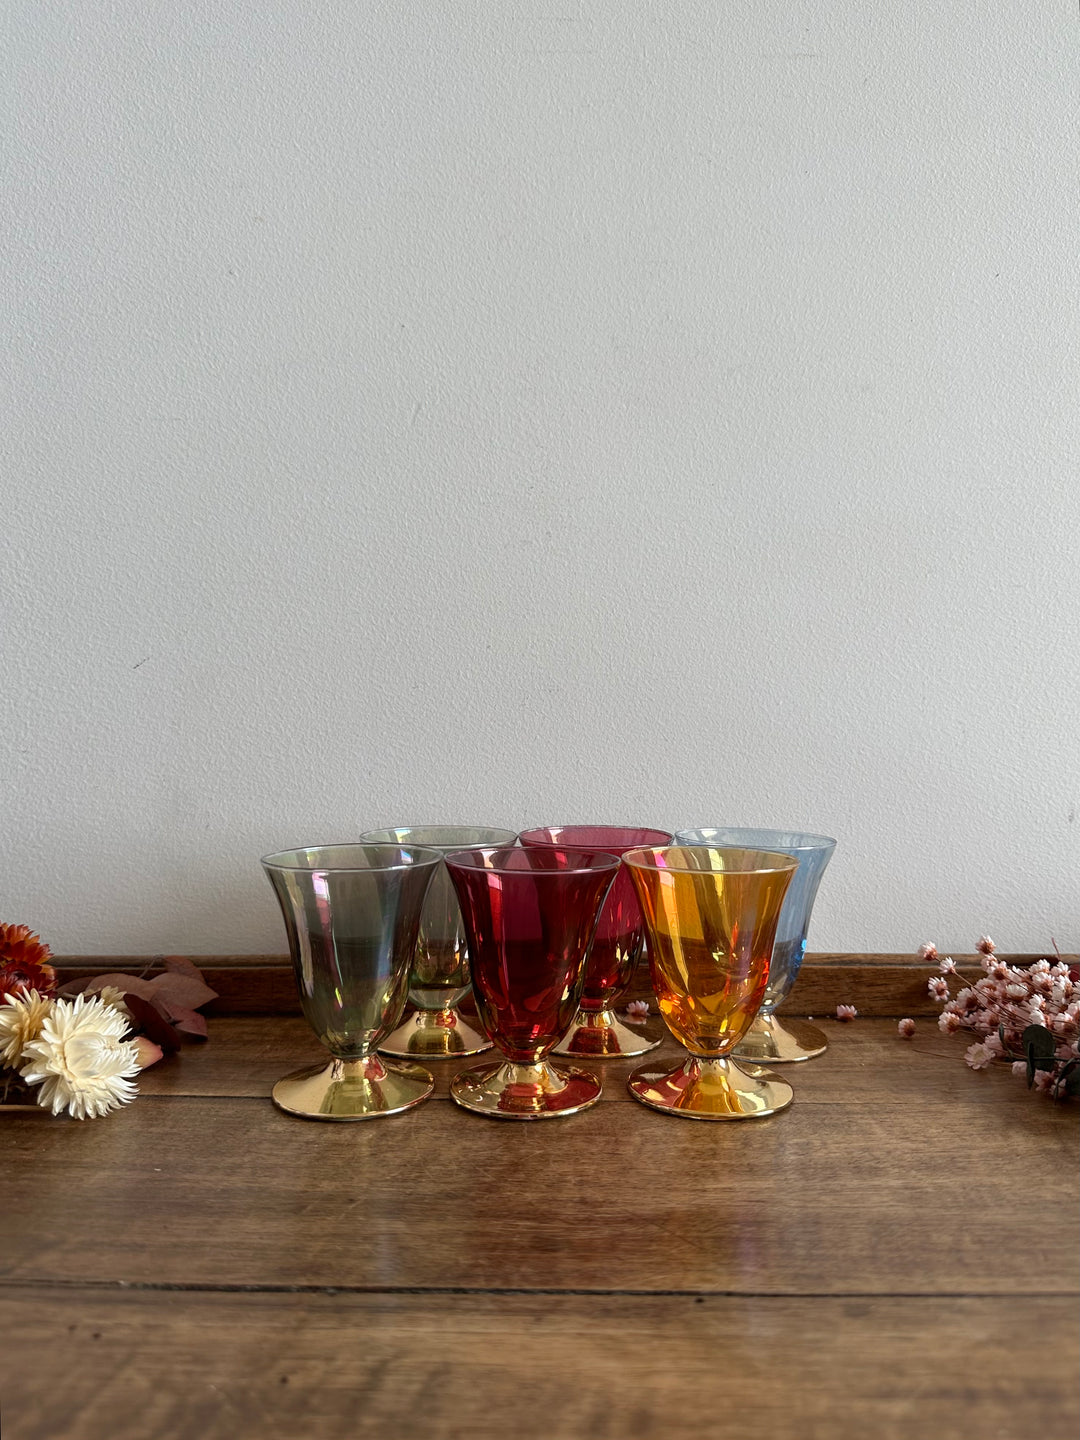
[352,913]
[439,978]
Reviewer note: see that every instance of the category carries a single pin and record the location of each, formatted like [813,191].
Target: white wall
[508,412]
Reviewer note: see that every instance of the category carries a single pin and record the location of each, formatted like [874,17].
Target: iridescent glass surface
[351,914]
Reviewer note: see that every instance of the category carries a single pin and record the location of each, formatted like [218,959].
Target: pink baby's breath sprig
[1004,1004]
[979,1056]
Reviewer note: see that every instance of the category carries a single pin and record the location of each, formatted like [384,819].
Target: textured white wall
[537,412]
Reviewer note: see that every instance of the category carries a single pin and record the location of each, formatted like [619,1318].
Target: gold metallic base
[710,1089]
[505,1091]
[601,1033]
[352,1090]
[433,1035]
[770,1041]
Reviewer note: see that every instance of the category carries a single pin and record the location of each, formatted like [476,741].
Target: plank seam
[223,1288]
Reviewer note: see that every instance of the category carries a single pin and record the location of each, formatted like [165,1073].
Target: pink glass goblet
[620,935]
[530,917]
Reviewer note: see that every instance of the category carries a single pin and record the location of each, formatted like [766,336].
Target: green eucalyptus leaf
[1038,1041]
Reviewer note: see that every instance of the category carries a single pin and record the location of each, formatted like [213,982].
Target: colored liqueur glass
[530,917]
[352,913]
[770,1040]
[710,917]
[596,1030]
[439,976]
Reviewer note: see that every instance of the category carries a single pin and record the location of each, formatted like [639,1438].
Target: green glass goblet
[352,913]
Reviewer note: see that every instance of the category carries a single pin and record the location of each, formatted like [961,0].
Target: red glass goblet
[530,917]
[616,948]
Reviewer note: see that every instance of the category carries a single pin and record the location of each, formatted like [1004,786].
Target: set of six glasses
[546,927]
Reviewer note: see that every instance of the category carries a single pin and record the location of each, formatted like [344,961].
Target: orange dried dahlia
[24,962]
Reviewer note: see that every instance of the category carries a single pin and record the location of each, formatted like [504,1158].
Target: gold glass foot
[602,1033]
[352,1089]
[434,1034]
[772,1042]
[710,1089]
[505,1091]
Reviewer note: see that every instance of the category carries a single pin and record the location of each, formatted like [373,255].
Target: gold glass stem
[600,1033]
[711,1088]
[770,1041]
[353,1089]
[508,1091]
[434,1035]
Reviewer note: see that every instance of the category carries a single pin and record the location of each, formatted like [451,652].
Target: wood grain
[867,1064]
[87,1365]
[824,1199]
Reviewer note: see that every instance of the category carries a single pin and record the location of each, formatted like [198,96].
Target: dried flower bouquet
[78,1048]
[1029,1015]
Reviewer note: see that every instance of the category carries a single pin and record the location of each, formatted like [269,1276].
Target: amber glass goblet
[439,976]
[770,1040]
[711,917]
[596,1030]
[530,917]
[351,913]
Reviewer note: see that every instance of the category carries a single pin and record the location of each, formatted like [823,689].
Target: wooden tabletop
[896,1255]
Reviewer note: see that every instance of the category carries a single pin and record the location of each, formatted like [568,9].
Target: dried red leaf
[163,1008]
[176,990]
[126,984]
[147,1020]
[74,987]
[181,964]
[189,1021]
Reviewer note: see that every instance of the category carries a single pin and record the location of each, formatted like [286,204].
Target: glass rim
[276,860]
[492,852]
[449,845]
[805,839]
[647,858]
[612,829]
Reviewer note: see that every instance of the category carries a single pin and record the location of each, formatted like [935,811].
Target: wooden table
[896,1255]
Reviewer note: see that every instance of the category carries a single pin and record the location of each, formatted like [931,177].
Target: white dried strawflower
[21,1018]
[110,995]
[81,1060]
[906,1029]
